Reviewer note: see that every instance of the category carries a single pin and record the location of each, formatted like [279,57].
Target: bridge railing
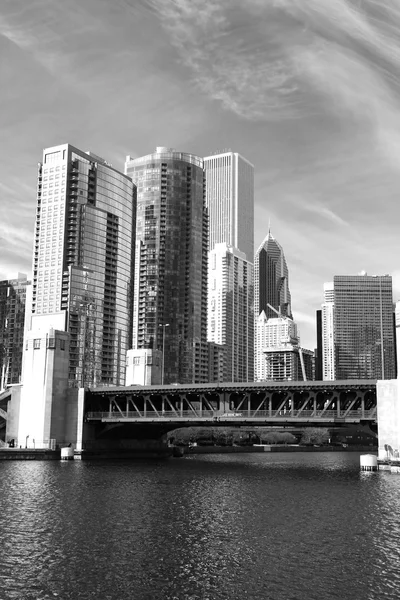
[206,415]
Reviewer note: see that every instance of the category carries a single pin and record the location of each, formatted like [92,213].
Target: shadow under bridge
[152,411]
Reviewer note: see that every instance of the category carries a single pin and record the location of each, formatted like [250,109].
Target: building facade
[328,341]
[144,367]
[363,328]
[230,201]
[170,298]
[271,279]
[318,349]
[13,293]
[230,310]
[83,261]
[271,289]
[278,345]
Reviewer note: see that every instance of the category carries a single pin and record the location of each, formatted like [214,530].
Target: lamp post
[163,351]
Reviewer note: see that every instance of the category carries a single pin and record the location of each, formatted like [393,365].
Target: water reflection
[229,526]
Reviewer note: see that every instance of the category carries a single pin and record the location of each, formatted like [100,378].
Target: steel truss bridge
[309,403]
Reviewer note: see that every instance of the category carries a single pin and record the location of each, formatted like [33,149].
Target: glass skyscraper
[83,261]
[12,318]
[271,279]
[271,287]
[170,304]
[363,328]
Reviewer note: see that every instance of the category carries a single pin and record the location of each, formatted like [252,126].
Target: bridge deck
[231,403]
[255,417]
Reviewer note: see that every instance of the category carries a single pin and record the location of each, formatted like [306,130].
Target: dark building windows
[171,262]
[363,327]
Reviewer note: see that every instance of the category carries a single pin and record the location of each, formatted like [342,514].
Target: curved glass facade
[83,260]
[170,307]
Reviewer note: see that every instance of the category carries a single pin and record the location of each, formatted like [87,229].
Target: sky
[308,91]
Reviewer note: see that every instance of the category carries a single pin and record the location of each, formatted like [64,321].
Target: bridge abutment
[388,407]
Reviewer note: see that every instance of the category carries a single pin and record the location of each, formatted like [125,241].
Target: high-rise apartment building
[170,304]
[12,318]
[230,201]
[359,309]
[83,261]
[328,342]
[271,289]
[230,310]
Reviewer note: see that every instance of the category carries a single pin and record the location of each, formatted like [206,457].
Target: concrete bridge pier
[388,404]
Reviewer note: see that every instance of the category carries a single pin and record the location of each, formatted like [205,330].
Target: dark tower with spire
[271,279]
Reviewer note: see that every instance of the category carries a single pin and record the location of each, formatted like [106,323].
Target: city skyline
[307,94]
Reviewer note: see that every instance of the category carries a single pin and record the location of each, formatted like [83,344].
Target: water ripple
[279,527]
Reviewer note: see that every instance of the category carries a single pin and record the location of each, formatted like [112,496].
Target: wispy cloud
[317,210]
[231,56]
[265,61]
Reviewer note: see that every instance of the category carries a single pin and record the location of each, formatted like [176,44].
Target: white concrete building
[230,201]
[328,346]
[230,310]
[229,193]
[45,411]
[144,367]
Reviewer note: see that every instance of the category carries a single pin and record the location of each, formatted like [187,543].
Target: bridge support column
[80,416]
[110,405]
[388,408]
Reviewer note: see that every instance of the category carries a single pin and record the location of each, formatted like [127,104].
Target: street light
[163,350]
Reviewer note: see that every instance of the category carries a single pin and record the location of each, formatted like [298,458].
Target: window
[51,342]
[52,157]
[36,344]
[62,344]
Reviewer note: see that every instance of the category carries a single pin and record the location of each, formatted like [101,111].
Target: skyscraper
[328,342]
[230,201]
[83,261]
[230,310]
[284,359]
[170,304]
[271,287]
[363,331]
[12,318]
[318,349]
[271,279]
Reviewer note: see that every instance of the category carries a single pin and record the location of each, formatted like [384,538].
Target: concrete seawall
[273,449]
[29,454]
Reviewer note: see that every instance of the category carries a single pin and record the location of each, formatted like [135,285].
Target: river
[203,527]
